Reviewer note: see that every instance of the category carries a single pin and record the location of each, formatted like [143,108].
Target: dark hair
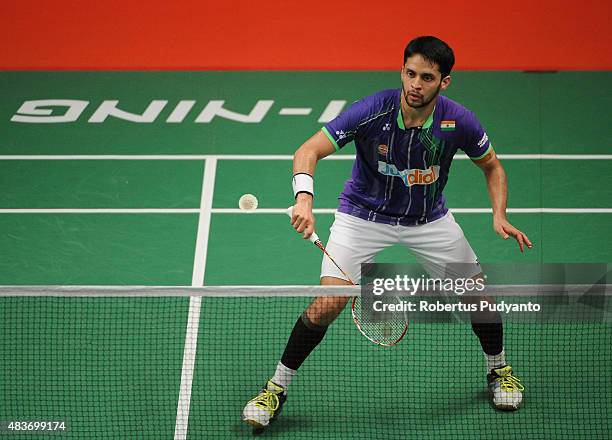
[433,50]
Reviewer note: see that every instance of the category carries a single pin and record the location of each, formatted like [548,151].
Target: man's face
[422,81]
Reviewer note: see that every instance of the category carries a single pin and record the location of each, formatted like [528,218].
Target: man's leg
[488,327]
[442,248]
[506,389]
[307,333]
[352,241]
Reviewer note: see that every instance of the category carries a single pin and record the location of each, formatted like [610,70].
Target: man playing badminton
[405,141]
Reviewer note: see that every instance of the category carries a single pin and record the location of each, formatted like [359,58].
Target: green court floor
[112,367]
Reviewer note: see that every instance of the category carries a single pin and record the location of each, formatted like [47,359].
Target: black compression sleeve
[304,338]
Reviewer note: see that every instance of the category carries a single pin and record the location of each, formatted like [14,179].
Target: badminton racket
[385,328]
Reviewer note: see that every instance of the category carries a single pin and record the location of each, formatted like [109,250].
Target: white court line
[206,200]
[535,210]
[102,211]
[193,321]
[280,157]
[284,211]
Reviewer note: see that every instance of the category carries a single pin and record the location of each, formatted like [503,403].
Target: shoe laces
[267,400]
[508,382]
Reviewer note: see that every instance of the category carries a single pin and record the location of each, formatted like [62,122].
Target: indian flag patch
[447,125]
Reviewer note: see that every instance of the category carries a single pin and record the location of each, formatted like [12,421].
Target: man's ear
[445,82]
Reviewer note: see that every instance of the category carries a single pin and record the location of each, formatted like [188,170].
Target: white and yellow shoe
[263,409]
[506,389]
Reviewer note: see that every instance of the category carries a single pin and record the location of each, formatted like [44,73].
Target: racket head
[385,332]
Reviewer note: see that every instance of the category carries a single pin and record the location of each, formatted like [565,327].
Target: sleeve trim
[483,154]
[330,137]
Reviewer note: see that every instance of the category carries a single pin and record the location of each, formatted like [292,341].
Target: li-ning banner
[138,113]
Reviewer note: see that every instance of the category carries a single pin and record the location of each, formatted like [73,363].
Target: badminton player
[405,141]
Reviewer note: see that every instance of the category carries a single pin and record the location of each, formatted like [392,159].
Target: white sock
[283,375]
[495,360]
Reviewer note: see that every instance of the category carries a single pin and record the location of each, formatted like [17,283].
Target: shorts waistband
[376,217]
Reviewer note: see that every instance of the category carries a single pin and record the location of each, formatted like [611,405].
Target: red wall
[317,34]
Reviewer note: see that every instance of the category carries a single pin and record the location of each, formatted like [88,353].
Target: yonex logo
[341,134]
[410,177]
[483,140]
[387,127]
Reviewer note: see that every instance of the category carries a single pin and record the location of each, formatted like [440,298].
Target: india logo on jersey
[410,177]
[447,125]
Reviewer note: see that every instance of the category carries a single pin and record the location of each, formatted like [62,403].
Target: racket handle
[314,237]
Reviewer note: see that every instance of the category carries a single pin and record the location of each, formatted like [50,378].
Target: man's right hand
[302,218]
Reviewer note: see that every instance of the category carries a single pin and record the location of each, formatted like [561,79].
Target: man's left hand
[505,229]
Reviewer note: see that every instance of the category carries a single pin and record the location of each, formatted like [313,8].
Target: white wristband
[303,182]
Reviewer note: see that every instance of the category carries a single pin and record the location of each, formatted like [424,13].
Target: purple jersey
[399,173]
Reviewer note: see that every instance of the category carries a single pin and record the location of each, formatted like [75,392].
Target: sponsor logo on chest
[410,177]
[383,149]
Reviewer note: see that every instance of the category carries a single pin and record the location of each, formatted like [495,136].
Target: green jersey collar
[400,119]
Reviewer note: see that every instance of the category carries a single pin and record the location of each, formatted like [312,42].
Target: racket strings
[385,330]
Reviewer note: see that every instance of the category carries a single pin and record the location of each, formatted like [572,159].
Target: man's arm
[498,193]
[305,161]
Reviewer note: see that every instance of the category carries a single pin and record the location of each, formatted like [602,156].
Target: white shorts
[436,245]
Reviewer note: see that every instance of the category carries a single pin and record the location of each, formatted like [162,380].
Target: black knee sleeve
[304,337]
[491,336]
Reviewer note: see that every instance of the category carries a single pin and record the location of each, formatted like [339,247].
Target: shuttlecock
[248,202]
